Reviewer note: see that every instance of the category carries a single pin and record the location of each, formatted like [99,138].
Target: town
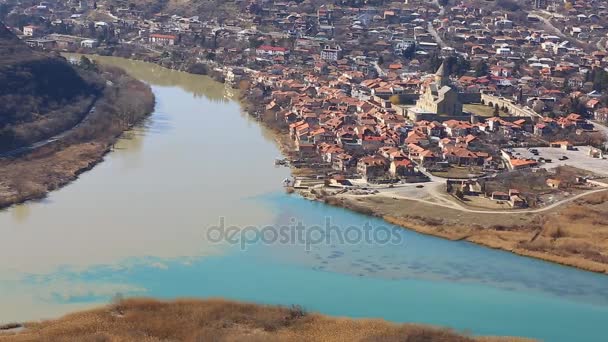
[429,170]
[500,104]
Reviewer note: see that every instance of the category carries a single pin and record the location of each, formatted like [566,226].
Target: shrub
[198,68]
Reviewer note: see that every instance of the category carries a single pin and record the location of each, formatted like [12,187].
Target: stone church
[439,97]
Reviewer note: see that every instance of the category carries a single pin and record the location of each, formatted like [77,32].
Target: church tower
[442,77]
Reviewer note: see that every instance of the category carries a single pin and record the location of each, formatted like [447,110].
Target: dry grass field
[220,320]
[480,109]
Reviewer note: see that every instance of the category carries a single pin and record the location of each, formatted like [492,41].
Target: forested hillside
[40,95]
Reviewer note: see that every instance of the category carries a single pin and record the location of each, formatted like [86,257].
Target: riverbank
[32,175]
[214,319]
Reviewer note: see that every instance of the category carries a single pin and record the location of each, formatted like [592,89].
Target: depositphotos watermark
[298,234]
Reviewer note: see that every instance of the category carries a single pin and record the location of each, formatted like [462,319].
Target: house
[343,162]
[554,183]
[270,51]
[518,164]
[305,148]
[460,156]
[516,201]
[500,196]
[455,128]
[541,129]
[592,104]
[564,145]
[402,168]
[331,53]
[89,43]
[596,153]
[601,114]
[162,39]
[371,167]
[31,31]
[577,119]
[41,43]
[468,187]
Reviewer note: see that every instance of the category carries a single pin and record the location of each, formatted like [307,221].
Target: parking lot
[577,158]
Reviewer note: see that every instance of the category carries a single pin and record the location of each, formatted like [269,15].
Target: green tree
[4,10]
[566,87]
[457,65]
[87,64]
[395,100]
[600,79]
[481,69]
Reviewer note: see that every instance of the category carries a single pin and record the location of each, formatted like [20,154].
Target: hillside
[41,95]
[220,320]
[12,50]
[205,9]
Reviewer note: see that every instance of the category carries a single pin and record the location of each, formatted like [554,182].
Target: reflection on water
[136,224]
[21,213]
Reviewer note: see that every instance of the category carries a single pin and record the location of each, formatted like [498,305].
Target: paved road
[601,128]
[432,30]
[381,72]
[441,8]
[557,31]
[436,36]
[601,44]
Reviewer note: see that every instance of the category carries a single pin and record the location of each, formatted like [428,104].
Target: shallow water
[138,224]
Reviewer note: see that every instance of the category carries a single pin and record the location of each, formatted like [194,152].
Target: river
[139,224]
